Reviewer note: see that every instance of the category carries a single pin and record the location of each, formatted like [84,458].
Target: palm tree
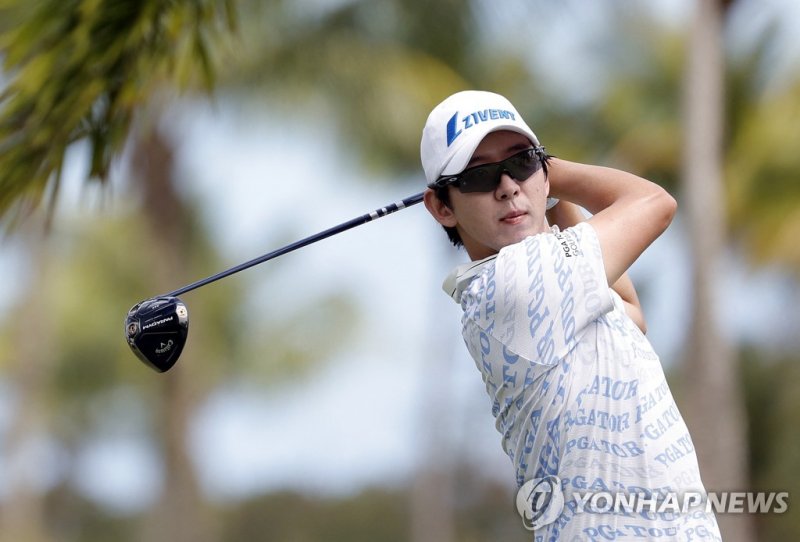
[182,513]
[79,73]
[22,517]
[714,401]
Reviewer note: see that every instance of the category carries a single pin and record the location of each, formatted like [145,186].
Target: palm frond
[80,69]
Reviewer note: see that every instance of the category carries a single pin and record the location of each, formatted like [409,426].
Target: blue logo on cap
[452,134]
[470,120]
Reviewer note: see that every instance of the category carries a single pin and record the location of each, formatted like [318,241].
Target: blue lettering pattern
[575,387]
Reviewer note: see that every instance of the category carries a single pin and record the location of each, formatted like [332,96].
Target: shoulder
[579,241]
[540,294]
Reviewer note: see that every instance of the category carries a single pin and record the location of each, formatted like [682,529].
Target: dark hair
[443,194]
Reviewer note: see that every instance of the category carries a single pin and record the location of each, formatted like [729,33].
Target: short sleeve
[541,294]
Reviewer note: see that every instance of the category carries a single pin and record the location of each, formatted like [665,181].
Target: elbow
[671,205]
[664,207]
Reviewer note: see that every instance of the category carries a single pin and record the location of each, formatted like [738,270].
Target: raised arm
[567,214]
[628,212]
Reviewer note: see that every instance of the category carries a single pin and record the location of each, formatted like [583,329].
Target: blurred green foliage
[770,385]
[376,67]
[80,69]
[373,515]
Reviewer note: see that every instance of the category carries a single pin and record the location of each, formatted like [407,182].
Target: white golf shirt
[577,390]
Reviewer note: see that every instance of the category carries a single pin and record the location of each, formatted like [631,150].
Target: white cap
[456,127]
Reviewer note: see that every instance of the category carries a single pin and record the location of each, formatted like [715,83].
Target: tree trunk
[182,515]
[22,515]
[714,403]
[433,489]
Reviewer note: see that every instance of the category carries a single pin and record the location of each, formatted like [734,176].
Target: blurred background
[327,395]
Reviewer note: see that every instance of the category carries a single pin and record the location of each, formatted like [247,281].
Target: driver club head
[156,331]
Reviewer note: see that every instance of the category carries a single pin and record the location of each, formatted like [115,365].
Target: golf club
[156,328]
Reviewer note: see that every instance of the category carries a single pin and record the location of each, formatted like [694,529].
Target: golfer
[555,327]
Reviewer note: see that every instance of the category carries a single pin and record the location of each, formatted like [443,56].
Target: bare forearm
[628,212]
[596,188]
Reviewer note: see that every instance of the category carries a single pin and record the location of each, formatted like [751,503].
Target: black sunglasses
[486,177]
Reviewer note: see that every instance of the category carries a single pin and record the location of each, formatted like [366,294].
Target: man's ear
[442,213]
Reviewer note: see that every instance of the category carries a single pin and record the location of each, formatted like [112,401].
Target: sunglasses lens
[485,178]
[479,179]
[523,165]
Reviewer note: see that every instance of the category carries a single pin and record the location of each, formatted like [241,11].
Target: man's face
[489,221]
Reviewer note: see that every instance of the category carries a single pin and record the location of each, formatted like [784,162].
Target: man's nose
[508,187]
